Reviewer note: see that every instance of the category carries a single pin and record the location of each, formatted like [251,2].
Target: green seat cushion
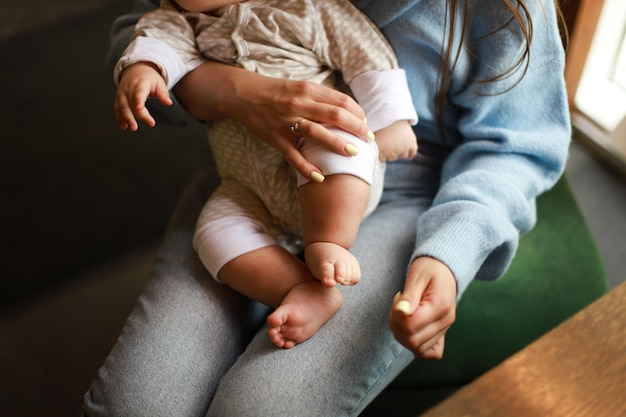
[557,271]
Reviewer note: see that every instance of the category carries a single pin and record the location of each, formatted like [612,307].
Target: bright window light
[601,94]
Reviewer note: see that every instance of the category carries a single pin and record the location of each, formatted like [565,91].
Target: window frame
[609,146]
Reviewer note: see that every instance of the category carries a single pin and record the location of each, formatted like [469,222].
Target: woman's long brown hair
[520,16]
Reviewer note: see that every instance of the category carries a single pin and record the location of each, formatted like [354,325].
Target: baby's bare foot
[303,311]
[332,264]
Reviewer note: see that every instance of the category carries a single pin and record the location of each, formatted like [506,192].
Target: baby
[262,214]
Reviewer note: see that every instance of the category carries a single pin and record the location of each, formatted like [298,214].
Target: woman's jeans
[194,347]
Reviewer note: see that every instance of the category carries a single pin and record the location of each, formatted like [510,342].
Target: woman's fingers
[423,330]
[428,343]
[321,134]
[294,158]
[323,105]
[435,352]
[345,119]
[426,309]
[332,103]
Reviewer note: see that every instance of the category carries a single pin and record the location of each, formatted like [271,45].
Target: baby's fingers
[144,115]
[162,94]
[138,98]
[139,95]
[123,114]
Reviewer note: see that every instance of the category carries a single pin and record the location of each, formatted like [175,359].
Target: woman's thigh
[354,356]
[182,336]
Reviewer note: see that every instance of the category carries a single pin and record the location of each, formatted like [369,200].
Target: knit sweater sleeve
[513,146]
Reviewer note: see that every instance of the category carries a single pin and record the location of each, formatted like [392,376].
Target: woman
[487,83]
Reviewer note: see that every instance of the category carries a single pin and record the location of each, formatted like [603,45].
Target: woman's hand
[425,310]
[269,107]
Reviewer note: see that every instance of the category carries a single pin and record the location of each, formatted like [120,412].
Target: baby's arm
[163,44]
[137,83]
[396,141]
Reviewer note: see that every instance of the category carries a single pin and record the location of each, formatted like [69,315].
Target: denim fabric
[194,347]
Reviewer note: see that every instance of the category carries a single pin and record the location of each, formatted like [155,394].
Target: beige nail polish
[403,306]
[370,136]
[317,177]
[351,149]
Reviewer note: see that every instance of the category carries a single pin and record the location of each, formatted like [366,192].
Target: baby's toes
[341,273]
[352,276]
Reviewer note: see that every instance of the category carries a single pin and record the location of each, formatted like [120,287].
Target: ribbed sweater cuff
[461,243]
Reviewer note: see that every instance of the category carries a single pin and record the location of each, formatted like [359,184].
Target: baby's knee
[225,239]
[361,165]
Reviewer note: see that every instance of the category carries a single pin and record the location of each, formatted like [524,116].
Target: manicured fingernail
[317,177]
[403,306]
[351,149]
[370,136]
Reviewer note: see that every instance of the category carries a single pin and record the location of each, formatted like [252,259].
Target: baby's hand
[138,82]
[396,141]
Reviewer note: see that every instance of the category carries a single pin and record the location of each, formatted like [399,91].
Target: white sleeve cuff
[154,51]
[385,97]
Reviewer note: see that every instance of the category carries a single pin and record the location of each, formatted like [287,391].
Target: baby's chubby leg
[333,209]
[277,278]
[233,242]
[332,212]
